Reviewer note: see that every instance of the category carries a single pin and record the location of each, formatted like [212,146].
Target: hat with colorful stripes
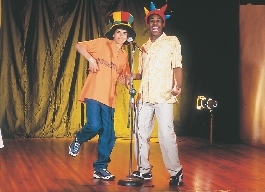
[118,20]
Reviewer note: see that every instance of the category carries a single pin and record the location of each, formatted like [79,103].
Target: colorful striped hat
[120,19]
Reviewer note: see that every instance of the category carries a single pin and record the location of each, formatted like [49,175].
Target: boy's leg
[90,129]
[107,137]
[168,141]
[143,131]
[93,124]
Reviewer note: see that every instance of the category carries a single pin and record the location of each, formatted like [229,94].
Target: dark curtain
[42,74]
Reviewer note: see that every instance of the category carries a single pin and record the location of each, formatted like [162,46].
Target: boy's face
[155,25]
[120,36]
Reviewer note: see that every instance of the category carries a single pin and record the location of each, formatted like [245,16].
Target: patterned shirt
[156,64]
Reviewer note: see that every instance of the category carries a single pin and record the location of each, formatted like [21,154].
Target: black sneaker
[177,179]
[103,174]
[145,176]
[74,148]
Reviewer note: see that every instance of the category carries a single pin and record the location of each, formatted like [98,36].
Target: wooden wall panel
[252,74]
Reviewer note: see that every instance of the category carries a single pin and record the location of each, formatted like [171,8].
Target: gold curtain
[41,72]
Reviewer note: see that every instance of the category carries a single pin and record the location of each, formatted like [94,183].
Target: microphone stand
[135,45]
[131,181]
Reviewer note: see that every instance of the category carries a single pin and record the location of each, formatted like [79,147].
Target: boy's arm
[178,76]
[137,76]
[178,81]
[128,77]
[93,66]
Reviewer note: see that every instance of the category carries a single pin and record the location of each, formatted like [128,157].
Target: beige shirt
[156,64]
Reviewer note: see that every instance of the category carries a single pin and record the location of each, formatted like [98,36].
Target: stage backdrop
[42,74]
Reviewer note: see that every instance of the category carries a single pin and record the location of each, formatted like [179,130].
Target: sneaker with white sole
[145,176]
[75,146]
[103,174]
[176,179]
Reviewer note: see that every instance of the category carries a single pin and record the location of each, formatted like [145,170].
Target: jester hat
[154,10]
[118,20]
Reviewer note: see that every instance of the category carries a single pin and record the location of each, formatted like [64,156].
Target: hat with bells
[118,20]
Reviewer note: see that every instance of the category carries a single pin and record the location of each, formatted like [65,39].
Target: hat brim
[131,32]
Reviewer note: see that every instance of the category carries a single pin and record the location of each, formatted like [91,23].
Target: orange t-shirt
[112,63]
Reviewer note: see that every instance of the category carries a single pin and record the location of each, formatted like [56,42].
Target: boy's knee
[92,127]
[95,127]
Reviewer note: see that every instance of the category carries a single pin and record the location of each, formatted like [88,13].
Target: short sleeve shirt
[113,64]
[156,64]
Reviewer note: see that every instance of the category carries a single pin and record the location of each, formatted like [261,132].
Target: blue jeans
[100,121]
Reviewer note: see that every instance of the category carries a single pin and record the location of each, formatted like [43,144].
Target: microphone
[130,39]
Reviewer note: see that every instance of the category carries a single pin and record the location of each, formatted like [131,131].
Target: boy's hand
[93,66]
[176,90]
[128,81]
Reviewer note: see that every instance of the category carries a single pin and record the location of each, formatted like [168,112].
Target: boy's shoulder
[171,37]
[100,39]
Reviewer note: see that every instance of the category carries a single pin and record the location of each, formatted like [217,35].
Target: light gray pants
[166,135]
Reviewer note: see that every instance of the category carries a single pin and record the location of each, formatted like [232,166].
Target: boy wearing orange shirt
[108,62]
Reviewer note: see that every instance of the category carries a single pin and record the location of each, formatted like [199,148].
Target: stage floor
[45,165]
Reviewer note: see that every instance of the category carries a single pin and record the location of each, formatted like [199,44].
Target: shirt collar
[158,39]
[113,44]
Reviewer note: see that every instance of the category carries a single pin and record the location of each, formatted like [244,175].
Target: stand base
[130,182]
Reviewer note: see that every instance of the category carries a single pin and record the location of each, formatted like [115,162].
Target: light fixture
[204,103]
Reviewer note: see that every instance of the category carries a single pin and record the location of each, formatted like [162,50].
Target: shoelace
[76,146]
[105,172]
